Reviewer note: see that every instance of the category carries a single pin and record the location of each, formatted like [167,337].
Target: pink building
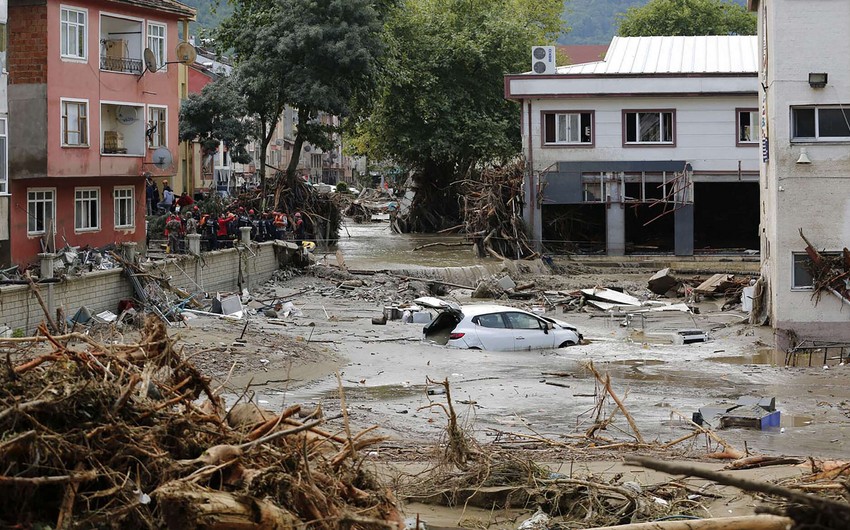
[88,117]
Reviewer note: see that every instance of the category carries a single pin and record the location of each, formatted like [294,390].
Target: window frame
[162,132]
[4,157]
[132,206]
[805,258]
[510,324]
[63,131]
[160,67]
[556,144]
[30,217]
[83,57]
[817,138]
[660,112]
[754,127]
[77,203]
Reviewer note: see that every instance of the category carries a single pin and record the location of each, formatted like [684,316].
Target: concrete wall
[813,197]
[102,290]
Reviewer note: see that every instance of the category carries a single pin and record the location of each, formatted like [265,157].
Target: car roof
[472,310]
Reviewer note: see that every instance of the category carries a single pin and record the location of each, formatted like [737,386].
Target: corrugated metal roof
[674,55]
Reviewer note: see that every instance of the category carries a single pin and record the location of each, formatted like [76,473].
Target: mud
[384,368]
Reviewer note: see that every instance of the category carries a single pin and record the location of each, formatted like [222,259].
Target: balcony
[121,64]
[121,45]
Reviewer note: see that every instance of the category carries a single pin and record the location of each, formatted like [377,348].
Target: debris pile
[492,210]
[133,436]
[369,203]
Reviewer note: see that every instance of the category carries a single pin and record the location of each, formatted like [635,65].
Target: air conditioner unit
[543,59]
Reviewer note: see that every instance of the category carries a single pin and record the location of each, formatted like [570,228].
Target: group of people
[221,230]
[169,203]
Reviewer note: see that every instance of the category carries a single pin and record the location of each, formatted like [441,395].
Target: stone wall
[102,290]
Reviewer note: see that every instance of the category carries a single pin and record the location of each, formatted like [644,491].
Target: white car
[496,328]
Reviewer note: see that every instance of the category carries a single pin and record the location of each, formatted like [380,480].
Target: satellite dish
[186,53]
[126,114]
[150,60]
[162,158]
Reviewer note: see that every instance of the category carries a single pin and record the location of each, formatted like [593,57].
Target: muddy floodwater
[384,368]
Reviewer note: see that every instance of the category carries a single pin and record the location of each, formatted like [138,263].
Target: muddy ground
[513,400]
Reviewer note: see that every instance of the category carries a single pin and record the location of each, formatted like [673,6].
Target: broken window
[820,123]
[648,127]
[568,128]
[748,130]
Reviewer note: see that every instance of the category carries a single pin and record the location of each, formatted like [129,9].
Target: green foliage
[441,103]
[314,55]
[217,114]
[593,21]
[18,333]
[341,187]
[687,17]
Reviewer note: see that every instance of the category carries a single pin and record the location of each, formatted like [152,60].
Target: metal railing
[121,64]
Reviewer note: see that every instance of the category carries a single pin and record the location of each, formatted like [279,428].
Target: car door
[493,333]
[530,332]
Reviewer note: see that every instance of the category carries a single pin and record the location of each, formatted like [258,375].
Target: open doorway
[578,228]
[726,216]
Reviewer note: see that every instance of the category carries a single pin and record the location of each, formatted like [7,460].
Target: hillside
[595,21]
[592,21]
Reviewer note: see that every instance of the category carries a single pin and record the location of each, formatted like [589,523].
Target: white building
[5,250]
[805,173]
[653,149]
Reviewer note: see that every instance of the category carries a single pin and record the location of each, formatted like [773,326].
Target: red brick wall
[27,54]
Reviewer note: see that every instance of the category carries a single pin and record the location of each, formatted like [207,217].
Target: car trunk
[441,327]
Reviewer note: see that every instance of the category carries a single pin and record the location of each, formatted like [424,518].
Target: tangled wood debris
[830,273]
[492,210]
[132,436]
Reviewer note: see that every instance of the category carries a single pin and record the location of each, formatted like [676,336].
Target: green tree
[217,115]
[687,17]
[440,108]
[313,55]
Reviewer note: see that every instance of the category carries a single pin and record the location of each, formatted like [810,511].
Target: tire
[567,343]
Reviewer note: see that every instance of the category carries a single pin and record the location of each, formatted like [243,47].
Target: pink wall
[68,79]
[197,80]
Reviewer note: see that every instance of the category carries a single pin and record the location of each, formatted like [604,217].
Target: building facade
[89,116]
[805,169]
[652,149]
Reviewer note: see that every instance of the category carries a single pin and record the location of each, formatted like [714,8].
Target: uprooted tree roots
[104,435]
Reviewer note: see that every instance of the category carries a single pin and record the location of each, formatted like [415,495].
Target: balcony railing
[118,64]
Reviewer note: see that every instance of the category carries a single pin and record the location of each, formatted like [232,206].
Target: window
[4,165]
[648,127]
[820,123]
[801,277]
[748,126]
[568,128]
[489,321]
[41,210]
[523,321]
[86,209]
[156,127]
[73,33]
[74,123]
[124,207]
[156,42]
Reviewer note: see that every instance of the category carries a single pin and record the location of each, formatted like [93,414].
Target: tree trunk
[185,506]
[291,169]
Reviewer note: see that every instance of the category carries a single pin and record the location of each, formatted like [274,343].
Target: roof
[584,53]
[726,54]
[168,6]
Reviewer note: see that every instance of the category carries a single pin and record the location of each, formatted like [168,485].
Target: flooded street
[551,393]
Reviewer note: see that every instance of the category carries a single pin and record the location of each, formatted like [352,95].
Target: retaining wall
[102,290]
